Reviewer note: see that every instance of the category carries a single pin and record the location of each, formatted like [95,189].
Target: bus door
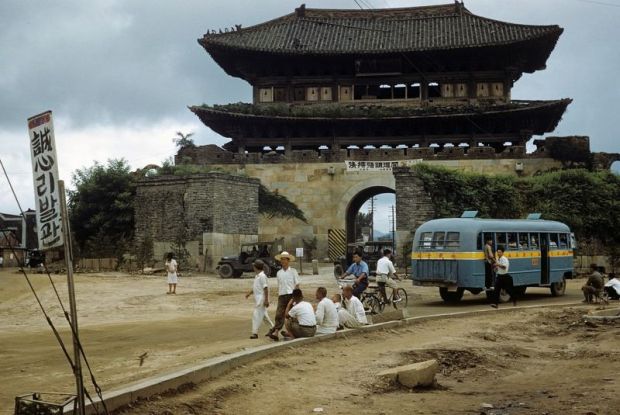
[544,258]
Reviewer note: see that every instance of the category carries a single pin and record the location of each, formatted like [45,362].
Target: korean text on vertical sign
[45,178]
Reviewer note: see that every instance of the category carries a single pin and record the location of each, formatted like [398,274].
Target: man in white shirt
[288,280]
[300,318]
[353,305]
[504,280]
[326,313]
[613,287]
[385,271]
[261,298]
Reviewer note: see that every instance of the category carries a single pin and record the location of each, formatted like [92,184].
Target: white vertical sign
[45,178]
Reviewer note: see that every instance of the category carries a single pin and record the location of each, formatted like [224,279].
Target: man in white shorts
[385,271]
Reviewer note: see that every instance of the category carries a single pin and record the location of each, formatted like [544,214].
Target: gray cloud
[131,64]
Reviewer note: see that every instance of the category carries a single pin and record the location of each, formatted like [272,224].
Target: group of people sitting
[595,286]
[295,317]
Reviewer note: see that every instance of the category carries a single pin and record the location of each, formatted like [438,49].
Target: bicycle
[373,300]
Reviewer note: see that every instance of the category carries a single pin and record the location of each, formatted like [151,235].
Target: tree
[273,204]
[101,208]
[183,140]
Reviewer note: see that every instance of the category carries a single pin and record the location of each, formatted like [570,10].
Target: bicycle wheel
[372,303]
[402,294]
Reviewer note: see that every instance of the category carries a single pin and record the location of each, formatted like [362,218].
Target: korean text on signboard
[45,178]
[353,165]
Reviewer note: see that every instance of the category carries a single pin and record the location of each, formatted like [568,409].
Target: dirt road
[524,362]
[122,317]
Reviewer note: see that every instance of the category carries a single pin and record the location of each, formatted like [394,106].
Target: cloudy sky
[119,75]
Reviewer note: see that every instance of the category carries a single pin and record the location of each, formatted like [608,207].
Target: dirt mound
[450,360]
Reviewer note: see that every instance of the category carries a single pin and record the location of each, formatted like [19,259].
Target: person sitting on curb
[326,313]
[594,285]
[300,318]
[345,319]
[353,305]
[613,287]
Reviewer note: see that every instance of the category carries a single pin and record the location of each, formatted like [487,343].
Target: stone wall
[323,191]
[171,208]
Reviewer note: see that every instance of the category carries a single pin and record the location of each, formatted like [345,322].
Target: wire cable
[65,312]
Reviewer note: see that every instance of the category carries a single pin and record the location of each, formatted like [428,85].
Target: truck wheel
[225,271]
[338,271]
[451,296]
[558,288]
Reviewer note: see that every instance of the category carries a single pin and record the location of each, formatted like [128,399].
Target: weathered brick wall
[200,203]
[413,206]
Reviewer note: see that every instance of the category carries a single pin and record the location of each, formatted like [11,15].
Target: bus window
[534,240]
[523,242]
[512,241]
[438,240]
[479,241]
[563,240]
[452,240]
[501,240]
[553,240]
[426,240]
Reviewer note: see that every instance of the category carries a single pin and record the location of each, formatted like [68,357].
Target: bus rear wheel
[558,288]
[451,296]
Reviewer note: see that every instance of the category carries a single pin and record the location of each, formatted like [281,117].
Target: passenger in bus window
[504,280]
[489,263]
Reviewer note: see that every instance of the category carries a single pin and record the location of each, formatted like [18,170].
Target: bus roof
[492,225]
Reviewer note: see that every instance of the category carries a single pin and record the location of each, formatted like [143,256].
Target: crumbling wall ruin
[210,213]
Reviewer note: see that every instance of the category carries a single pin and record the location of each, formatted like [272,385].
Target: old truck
[235,266]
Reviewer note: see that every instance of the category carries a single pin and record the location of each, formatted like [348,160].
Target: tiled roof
[319,31]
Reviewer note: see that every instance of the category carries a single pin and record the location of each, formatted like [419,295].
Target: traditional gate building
[340,97]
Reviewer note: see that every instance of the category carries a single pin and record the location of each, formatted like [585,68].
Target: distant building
[19,233]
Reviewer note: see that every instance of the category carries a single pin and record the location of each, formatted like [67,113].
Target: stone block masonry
[173,208]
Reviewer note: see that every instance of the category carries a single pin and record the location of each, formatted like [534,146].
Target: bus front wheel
[558,288]
[451,296]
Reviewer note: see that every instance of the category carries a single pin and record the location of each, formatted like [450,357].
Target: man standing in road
[359,269]
[326,313]
[489,263]
[288,280]
[504,280]
[260,290]
[385,271]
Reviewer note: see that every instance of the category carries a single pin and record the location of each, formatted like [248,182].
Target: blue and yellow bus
[449,254]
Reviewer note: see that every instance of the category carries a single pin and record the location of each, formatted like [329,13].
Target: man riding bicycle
[359,270]
[385,271]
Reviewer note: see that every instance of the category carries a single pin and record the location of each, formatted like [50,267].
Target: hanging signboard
[45,179]
[353,165]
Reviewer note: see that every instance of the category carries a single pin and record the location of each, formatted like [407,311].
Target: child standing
[171,268]
[261,299]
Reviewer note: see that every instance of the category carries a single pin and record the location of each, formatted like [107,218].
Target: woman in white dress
[171,268]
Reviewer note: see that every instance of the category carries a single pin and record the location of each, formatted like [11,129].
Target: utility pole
[372,218]
[393,222]
[77,358]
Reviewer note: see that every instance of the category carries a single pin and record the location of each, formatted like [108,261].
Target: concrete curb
[217,366]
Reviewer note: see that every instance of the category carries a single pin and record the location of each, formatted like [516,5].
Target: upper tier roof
[378,31]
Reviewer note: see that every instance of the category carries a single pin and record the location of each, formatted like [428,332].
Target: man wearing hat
[288,280]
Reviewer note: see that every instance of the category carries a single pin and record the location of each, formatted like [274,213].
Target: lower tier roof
[250,124]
